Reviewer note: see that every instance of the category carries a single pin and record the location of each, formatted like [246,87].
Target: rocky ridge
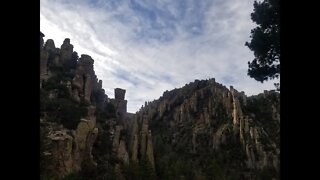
[204,117]
[200,131]
[66,78]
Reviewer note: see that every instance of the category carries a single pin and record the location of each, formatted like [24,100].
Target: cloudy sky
[149,46]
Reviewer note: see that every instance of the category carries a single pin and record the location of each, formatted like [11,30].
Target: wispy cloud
[147,47]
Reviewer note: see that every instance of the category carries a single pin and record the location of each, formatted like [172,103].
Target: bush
[139,171]
[44,160]
[65,111]
[51,83]
[266,174]
[107,113]
[73,176]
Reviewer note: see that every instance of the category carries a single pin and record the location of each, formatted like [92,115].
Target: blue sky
[147,47]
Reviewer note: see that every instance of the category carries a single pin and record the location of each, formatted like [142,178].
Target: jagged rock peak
[41,39]
[67,46]
[86,60]
[100,84]
[66,41]
[119,93]
[49,45]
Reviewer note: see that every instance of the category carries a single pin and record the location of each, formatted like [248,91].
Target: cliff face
[70,148]
[141,139]
[77,119]
[204,124]
[67,110]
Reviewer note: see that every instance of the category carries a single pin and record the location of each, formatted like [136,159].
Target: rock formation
[84,79]
[149,149]
[71,143]
[41,40]
[120,103]
[133,131]
[200,131]
[70,148]
[66,52]
[206,117]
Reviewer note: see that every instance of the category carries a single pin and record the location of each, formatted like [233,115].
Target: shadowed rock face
[84,79]
[136,126]
[84,82]
[119,103]
[204,117]
[66,51]
[44,55]
[70,148]
[49,46]
[193,126]
[119,93]
[41,39]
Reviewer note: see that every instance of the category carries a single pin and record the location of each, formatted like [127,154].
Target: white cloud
[147,57]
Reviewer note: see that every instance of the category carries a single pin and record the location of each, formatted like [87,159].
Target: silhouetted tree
[265,41]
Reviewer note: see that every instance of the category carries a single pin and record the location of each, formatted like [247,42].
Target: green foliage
[51,83]
[44,159]
[63,73]
[88,171]
[103,144]
[147,171]
[157,125]
[180,169]
[267,174]
[110,110]
[221,115]
[138,171]
[46,177]
[177,160]
[102,153]
[124,134]
[71,113]
[65,111]
[107,113]
[213,170]
[103,172]
[54,84]
[61,108]
[74,176]
[74,60]
[265,42]
[261,107]
[131,171]
[43,100]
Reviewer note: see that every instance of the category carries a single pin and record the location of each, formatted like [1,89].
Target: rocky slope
[82,130]
[200,131]
[205,130]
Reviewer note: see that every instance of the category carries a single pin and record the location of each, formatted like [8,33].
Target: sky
[150,46]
